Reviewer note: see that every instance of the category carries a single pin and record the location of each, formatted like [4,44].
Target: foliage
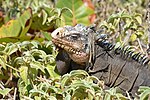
[145,92]
[39,18]
[19,25]
[12,9]
[125,23]
[80,12]
[103,9]
[25,61]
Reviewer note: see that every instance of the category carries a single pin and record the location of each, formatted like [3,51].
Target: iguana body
[118,66]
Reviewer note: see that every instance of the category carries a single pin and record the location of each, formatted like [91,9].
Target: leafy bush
[125,23]
[23,62]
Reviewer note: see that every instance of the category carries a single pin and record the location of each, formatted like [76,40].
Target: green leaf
[128,24]
[121,15]
[79,73]
[143,88]
[39,53]
[19,61]
[47,35]
[44,16]
[80,12]
[14,28]
[5,91]
[133,37]
[7,30]
[37,65]
[24,73]
[24,18]
[10,48]
[139,33]
[134,26]
[51,71]
[116,22]
[52,98]
[37,98]
[145,94]
[37,24]
[2,62]
[23,38]
[65,79]
[35,92]
[112,17]
[138,19]
[68,97]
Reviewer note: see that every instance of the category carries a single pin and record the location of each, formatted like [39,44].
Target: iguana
[84,48]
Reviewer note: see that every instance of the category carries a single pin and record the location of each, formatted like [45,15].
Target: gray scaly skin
[81,48]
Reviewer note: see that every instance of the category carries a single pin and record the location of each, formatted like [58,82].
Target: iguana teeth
[77,50]
[70,50]
[59,45]
[62,46]
[77,53]
[74,51]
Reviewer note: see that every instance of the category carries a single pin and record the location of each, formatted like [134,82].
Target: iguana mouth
[74,44]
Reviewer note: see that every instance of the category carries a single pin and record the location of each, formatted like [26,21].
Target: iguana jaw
[72,42]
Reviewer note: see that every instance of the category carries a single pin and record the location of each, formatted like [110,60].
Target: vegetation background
[27,55]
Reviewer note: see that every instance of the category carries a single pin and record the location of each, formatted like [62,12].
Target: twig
[15,94]
[12,67]
[128,96]
[1,85]
[140,45]
[127,37]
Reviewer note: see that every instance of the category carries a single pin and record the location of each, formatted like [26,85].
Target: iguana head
[74,40]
